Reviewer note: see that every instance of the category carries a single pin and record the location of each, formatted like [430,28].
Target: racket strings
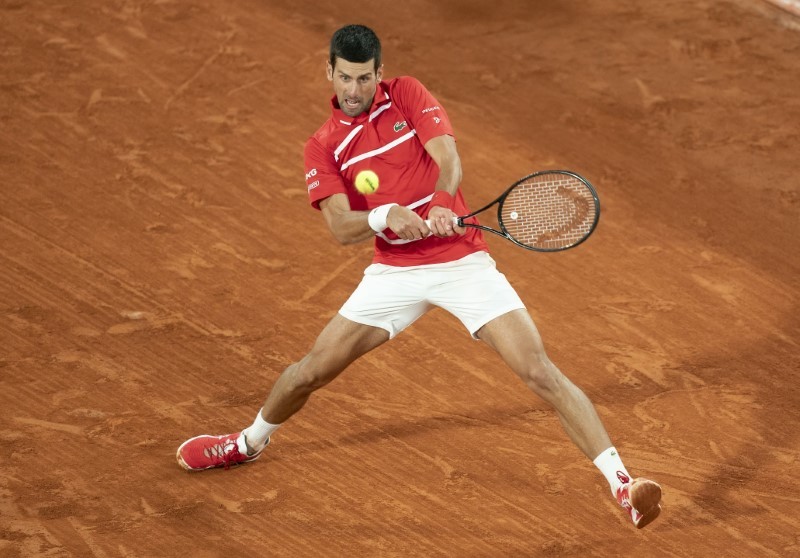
[549,212]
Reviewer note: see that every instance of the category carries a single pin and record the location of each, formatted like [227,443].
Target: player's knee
[303,381]
[542,376]
[306,378]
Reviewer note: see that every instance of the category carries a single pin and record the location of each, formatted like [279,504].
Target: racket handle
[455,222]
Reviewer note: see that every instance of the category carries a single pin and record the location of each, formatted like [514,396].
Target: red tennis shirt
[389,139]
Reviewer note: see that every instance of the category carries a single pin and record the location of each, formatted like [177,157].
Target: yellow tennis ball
[367,182]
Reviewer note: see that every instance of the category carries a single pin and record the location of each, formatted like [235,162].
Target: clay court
[160,266]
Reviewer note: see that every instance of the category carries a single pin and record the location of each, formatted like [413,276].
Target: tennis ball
[367,182]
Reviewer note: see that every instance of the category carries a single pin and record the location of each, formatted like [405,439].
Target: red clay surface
[159,266]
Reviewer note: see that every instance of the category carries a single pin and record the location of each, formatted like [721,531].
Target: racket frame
[501,199]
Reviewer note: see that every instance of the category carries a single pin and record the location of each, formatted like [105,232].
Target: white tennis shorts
[393,298]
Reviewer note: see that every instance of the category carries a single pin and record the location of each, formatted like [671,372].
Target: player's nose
[351,90]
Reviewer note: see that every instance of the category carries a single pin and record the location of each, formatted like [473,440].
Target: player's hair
[355,43]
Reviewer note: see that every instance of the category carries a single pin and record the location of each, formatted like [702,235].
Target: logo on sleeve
[399,126]
[309,175]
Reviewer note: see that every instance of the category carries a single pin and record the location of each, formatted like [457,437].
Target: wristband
[443,198]
[377,217]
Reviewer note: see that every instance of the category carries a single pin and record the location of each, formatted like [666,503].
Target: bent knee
[305,377]
[542,376]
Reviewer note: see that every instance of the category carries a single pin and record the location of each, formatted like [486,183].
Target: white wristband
[377,217]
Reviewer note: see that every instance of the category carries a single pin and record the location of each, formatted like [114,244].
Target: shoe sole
[645,497]
[649,517]
[186,466]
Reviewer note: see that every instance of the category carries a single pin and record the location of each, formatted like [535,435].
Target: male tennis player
[400,131]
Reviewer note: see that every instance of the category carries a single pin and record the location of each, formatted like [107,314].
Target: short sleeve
[322,176]
[424,113]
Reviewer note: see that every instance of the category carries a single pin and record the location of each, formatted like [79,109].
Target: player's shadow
[478,418]
[772,365]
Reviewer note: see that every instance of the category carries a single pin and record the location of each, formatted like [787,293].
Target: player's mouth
[352,103]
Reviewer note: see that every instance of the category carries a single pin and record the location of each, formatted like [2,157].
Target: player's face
[354,84]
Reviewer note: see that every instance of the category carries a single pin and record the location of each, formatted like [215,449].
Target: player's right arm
[346,225]
[351,227]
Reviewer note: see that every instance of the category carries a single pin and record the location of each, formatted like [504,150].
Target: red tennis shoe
[208,452]
[641,497]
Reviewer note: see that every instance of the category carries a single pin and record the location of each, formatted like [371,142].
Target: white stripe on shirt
[380,110]
[347,140]
[378,151]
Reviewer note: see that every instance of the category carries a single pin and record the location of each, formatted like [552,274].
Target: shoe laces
[226,451]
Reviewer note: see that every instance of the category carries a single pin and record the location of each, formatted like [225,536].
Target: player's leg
[341,342]
[515,337]
[385,302]
[486,303]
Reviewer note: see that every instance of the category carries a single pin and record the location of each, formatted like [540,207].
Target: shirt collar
[381,98]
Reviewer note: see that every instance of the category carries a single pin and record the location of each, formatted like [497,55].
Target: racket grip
[455,222]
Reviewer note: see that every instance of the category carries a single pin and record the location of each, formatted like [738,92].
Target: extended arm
[347,226]
[442,150]
[350,227]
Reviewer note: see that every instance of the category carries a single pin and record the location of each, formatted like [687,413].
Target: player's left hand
[442,222]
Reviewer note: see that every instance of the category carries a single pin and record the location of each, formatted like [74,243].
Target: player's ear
[329,70]
[379,73]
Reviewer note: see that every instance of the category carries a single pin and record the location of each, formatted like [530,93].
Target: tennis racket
[546,211]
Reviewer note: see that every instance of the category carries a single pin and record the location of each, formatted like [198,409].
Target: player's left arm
[443,151]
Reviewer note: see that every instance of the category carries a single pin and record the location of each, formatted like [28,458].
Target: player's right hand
[406,224]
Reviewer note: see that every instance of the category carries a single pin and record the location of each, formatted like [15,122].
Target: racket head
[549,211]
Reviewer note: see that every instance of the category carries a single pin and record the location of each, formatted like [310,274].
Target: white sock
[258,433]
[612,468]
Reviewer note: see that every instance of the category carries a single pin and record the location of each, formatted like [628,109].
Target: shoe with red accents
[209,452]
[642,498]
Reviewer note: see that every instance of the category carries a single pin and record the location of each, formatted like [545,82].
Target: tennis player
[397,129]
